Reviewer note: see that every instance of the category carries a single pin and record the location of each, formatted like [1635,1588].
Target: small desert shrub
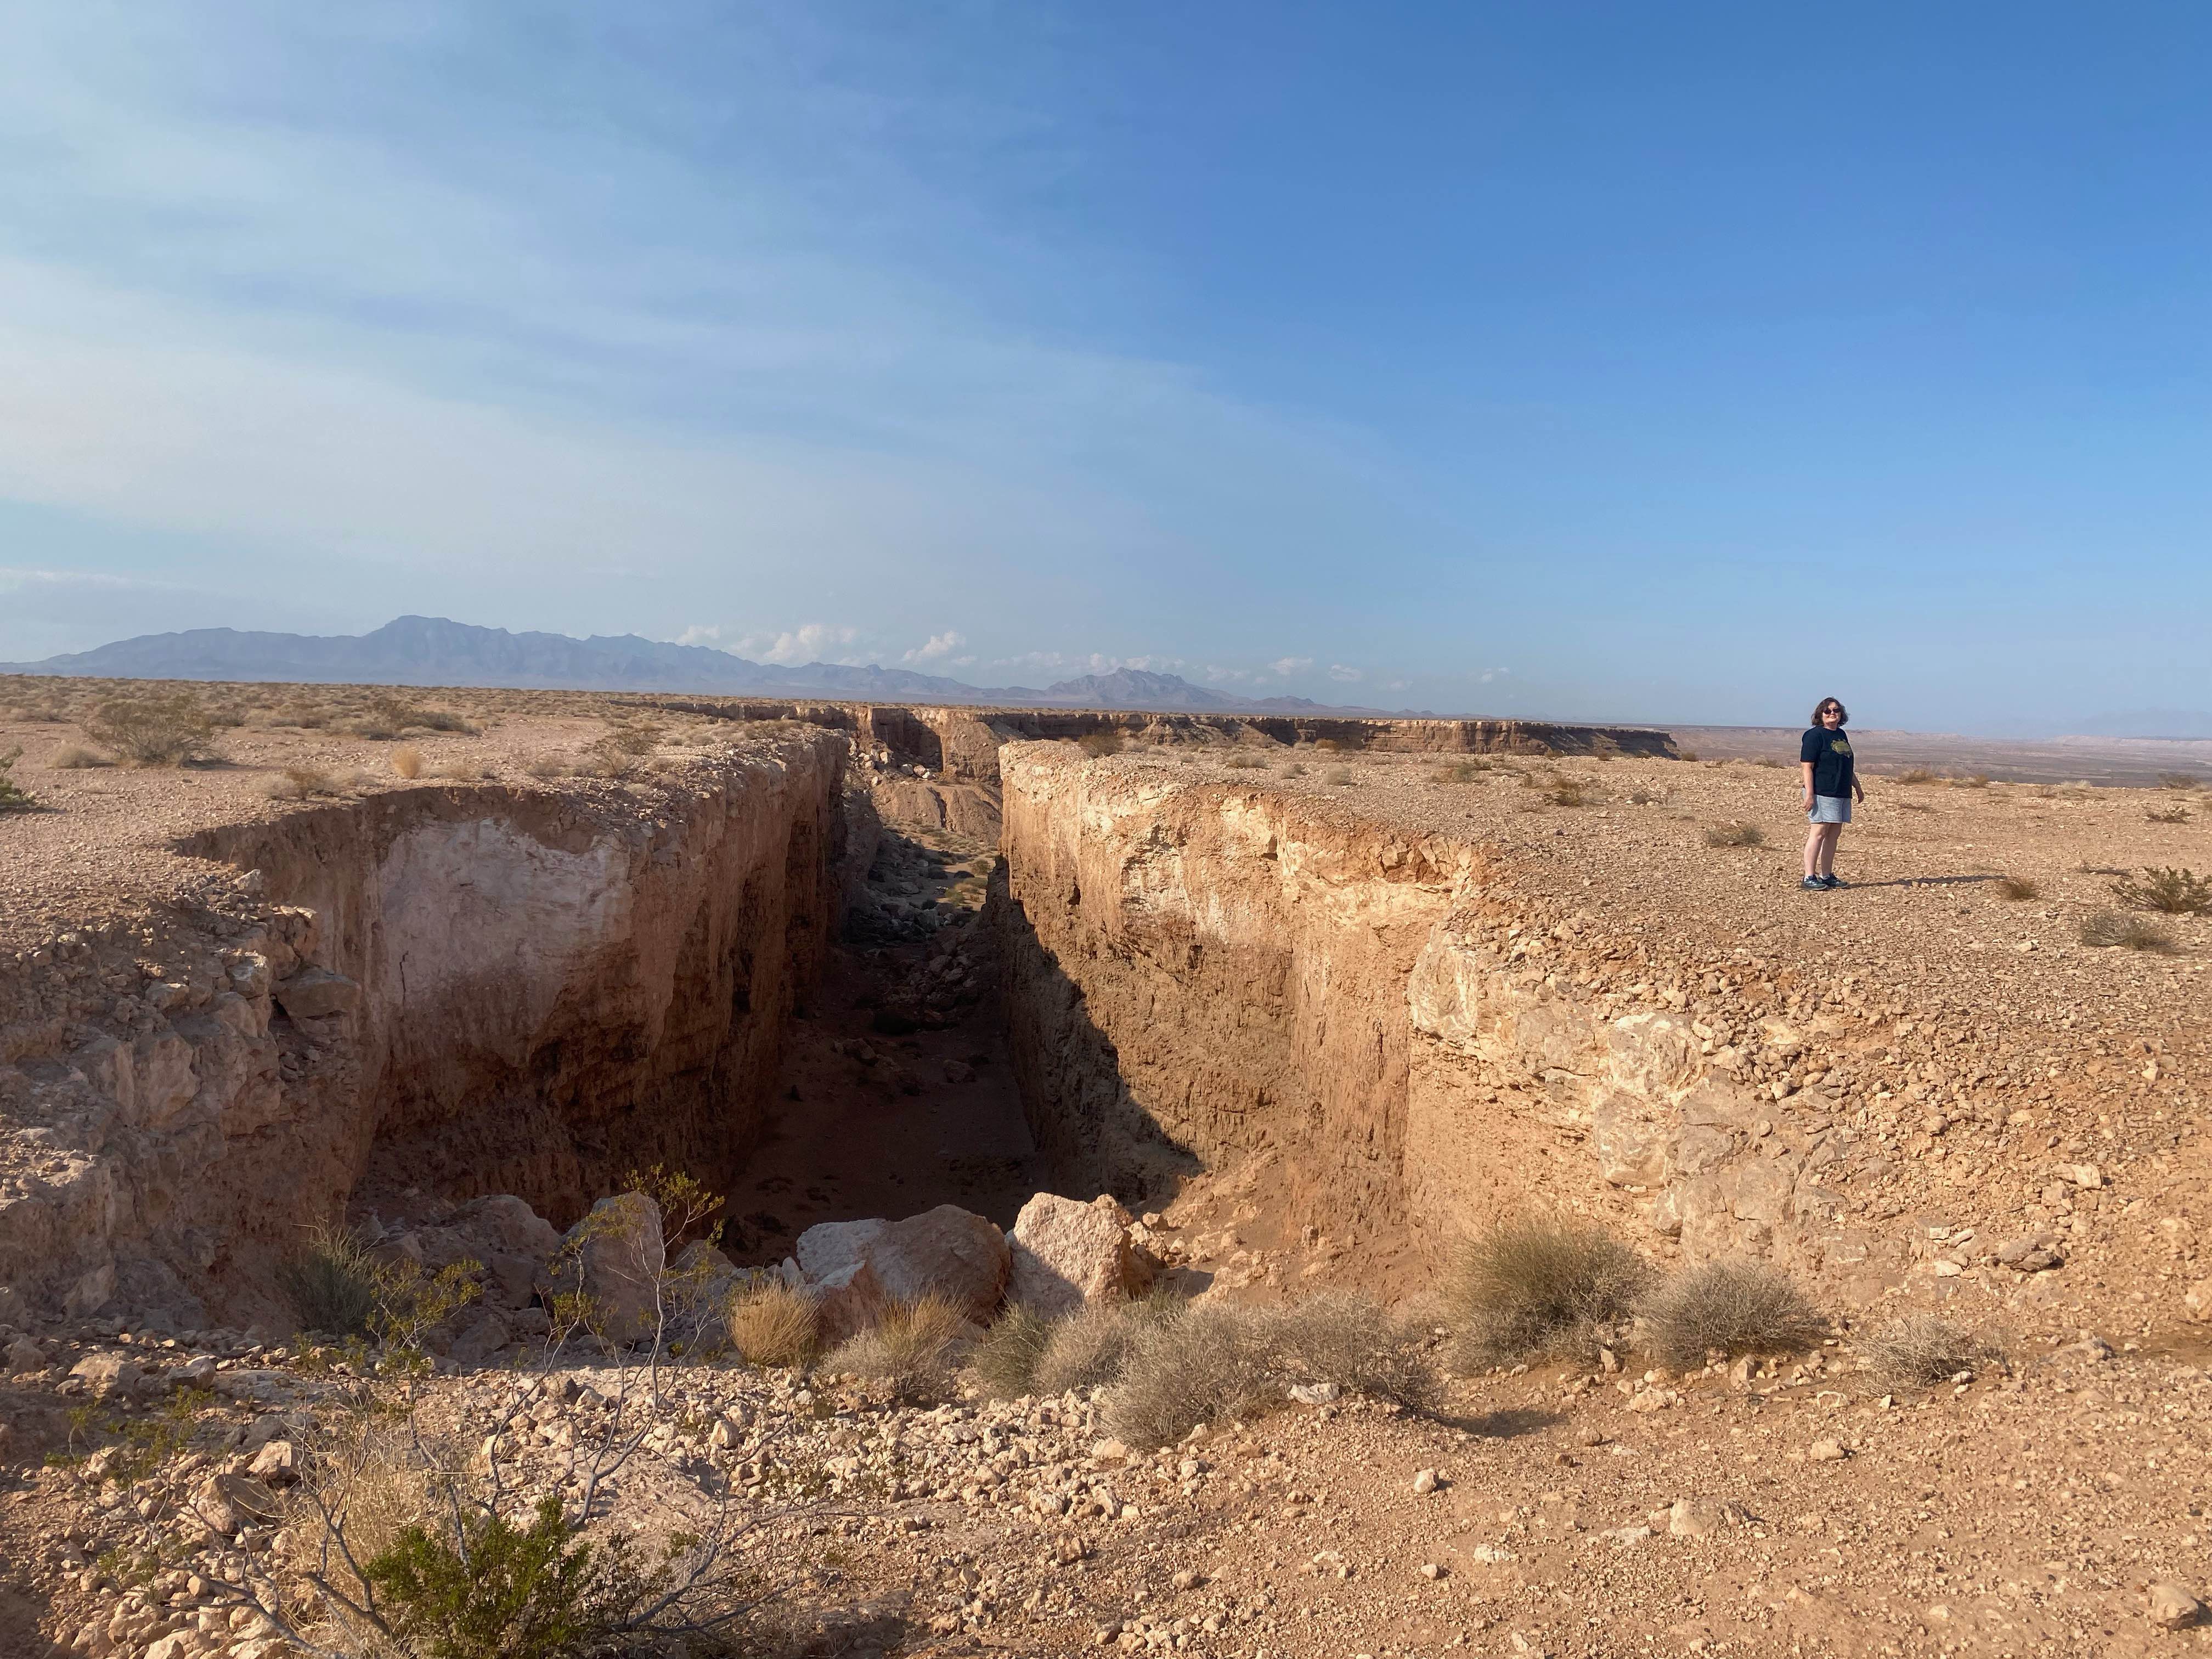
[2175,814]
[1328,745]
[1971,780]
[14,798]
[1295,769]
[2104,928]
[499,1591]
[1734,835]
[1567,792]
[909,1348]
[1919,1350]
[332,1285]
[1089,1348]
[2175,892]
[37,713]
[76,757]
[1466,771]
[1100,743]
[408,762]
[1685,754]
[1729,1307]
[549,766]
[153,731]
[1245,763]
[1649,797]
[1914,774]
[1533,1285]
[1218,1360]
[1352,1341]
[1005,1360]
[2017,889]
[1337,776]
[2180,781]
[770,1324]
[1767,760]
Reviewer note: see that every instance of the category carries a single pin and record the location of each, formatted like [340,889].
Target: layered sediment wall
[1204,973]
[460,989]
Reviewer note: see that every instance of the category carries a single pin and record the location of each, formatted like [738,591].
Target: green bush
[2174,892]
[14,798]
[500,1591]
[332,1285]
[153,731]
[1533,1285]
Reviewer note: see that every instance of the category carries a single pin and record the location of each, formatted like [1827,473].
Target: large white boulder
[860,1267]
[1065,1253]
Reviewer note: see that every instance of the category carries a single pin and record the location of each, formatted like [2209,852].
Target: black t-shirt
[1831,754]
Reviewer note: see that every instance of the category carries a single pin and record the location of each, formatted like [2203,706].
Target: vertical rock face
[1202,974]
[470,991]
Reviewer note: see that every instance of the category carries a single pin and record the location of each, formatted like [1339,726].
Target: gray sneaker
[1813,885]
[1832,882]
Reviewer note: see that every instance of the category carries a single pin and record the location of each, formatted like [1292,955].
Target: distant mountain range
[2146,723]
[431,651]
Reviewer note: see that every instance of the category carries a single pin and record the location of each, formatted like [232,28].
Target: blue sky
[1671,363]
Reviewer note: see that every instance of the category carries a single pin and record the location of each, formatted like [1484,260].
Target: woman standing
[1830,785]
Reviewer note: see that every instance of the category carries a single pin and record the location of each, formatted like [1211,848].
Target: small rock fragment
[2173,1607]
[1424,1482]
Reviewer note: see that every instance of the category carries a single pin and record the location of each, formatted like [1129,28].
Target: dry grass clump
[2108,928]
[298,782]
[1568,792]
[550,766]
[14,798]
[2180,781]
[1337,776]
[2175,814]
[1005,1360]
[1218,1360]
[153,731]
[2174,892]
[1091,1346]
[2017,889]
[1295,769]
[1537,1285]
[1465,771]
[1100,743]
[1330,745]
[1920,1350]
[1913,774]
[76,757]
[1729,1307]
[910,1349]
[1245,763]
[1971,780]
[332,1283]
[1649,797]
[1734,835]
[770,1324]
[407,761]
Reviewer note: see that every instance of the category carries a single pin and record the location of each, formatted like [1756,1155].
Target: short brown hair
[1844,713]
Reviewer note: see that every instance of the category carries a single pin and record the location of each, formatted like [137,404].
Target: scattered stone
[1424,1482]
[2173,1607]
[1689,1518]
[1315,1393]
[107,1374]
[1826,1451]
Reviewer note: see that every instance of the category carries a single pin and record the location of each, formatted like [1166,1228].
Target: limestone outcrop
[465,990]
[1206,975]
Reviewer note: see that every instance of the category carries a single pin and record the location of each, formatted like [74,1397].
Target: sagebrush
[2108,928]
[1729,1307]
[1536,1284]
[1734,835]
[153,731]
[2173,892]
[1923,1349]
[14,798]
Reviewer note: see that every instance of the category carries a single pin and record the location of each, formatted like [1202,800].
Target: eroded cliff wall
[1203,973]
[462,989]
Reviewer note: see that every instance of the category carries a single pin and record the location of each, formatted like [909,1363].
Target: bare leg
[1815,838]
[1831,834]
